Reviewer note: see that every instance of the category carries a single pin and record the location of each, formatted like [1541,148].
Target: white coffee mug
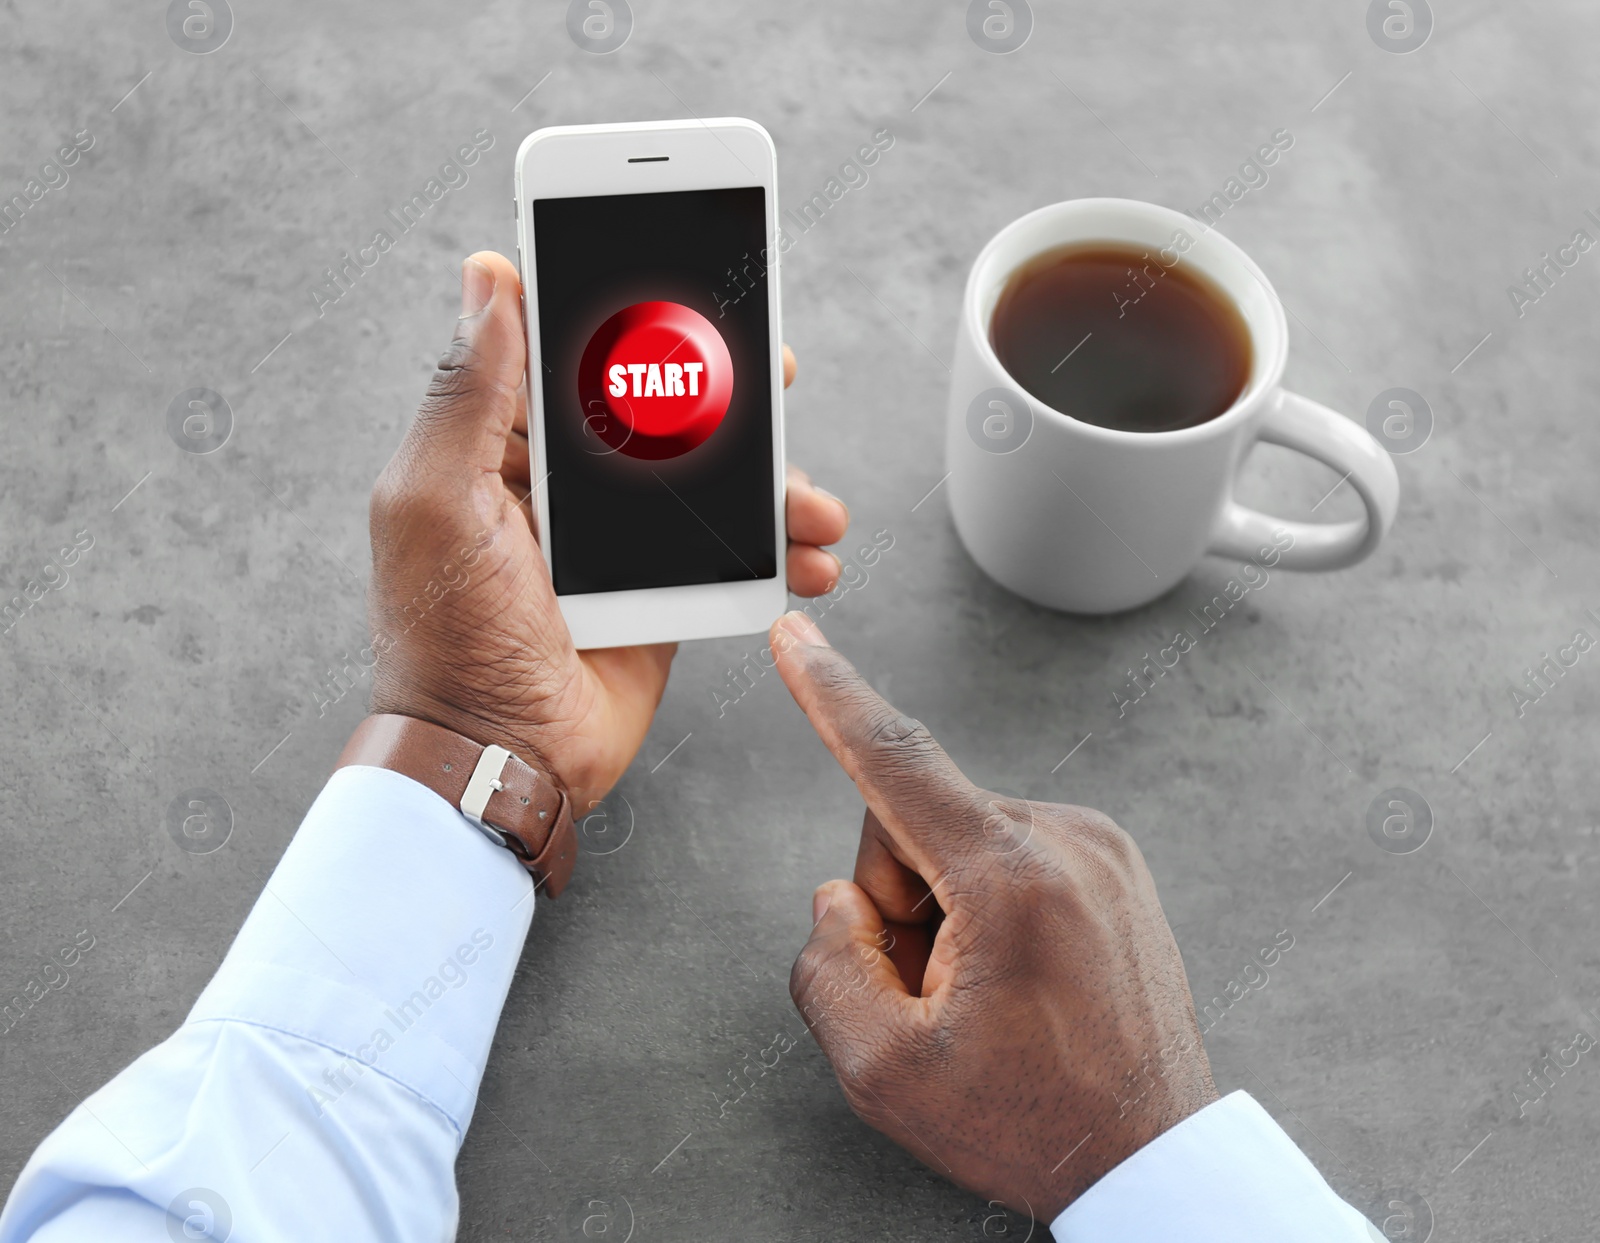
[1092,519]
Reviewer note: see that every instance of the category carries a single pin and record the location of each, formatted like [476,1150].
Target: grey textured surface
[186,646]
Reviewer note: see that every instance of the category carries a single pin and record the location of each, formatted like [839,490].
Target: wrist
[482,727]
[516,804]
[537,737]
[1133,1124]
[487,725]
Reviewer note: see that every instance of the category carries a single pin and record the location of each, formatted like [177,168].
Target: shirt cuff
[1223,1174]
[388,933]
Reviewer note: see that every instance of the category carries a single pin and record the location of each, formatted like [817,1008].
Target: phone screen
[657,387]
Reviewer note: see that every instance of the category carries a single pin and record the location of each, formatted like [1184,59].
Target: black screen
[639,499]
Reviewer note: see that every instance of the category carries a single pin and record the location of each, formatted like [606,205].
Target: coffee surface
[1110,334]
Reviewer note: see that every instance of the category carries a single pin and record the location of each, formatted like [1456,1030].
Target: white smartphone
[649,265]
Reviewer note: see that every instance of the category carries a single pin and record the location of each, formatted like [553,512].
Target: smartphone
[655,376]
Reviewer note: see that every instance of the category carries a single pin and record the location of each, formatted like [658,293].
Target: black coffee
[1122,336]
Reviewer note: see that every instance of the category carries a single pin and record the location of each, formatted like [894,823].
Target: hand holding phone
[466,629]
[650,270]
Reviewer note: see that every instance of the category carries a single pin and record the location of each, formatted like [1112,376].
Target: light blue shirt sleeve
[1224,1175]
[321,1086]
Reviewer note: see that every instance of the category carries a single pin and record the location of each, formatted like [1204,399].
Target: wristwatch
[513,803]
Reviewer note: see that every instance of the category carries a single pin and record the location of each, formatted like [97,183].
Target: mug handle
[1298,423]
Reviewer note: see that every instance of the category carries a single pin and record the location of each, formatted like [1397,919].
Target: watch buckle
[482,786]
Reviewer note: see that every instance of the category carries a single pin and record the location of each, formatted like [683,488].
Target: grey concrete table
[186,648]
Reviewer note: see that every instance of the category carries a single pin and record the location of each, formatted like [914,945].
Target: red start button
[655,380]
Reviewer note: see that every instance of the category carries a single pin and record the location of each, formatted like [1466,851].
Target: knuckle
[1010,829]
[868,1063]
[1038,877]
[1008,824]
[899,743]
[1103,851]
[1102,836]
[889,738]
[883,1059]
[408,501]
[894,731]
[386,494]
[874,1053]
[465,372]
[806,974]
[1021,857]
[457,368]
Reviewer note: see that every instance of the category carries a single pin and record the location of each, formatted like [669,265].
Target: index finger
[915,789]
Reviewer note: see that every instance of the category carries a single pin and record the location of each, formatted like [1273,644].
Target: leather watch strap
[516,805]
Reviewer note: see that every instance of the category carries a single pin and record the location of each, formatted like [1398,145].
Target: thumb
[844,984]
[461,428]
